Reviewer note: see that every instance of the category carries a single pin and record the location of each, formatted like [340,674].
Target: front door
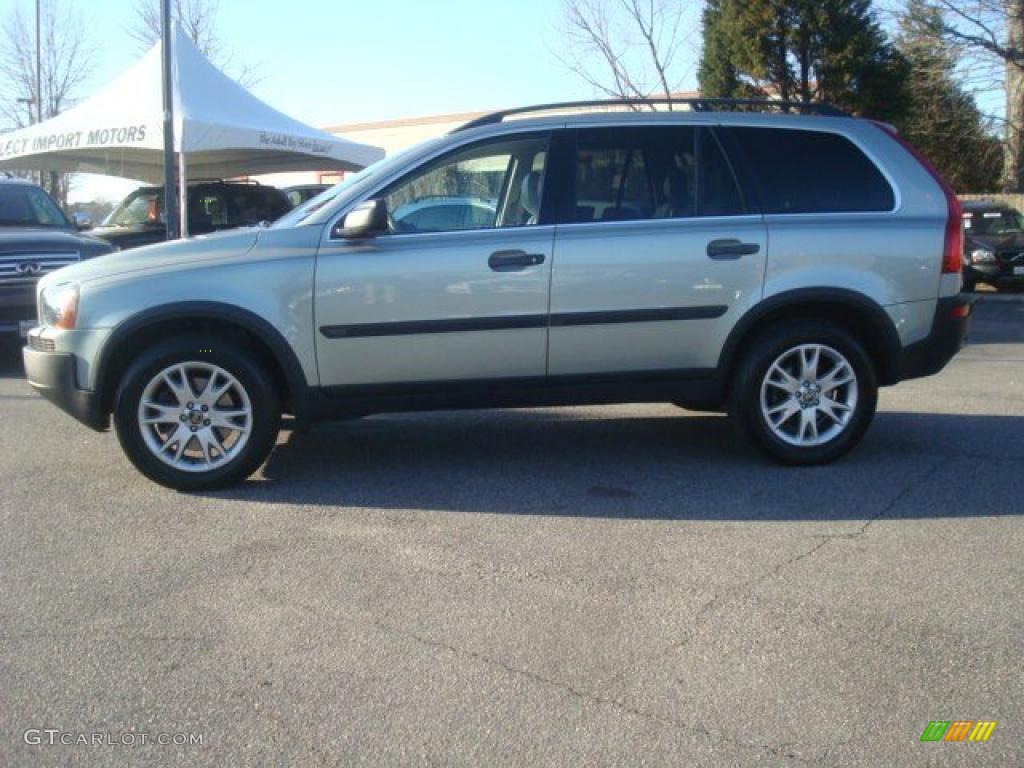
[458,289]
[658,257]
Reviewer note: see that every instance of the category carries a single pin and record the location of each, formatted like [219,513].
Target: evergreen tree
[803,50]
[717,75]
[943,121]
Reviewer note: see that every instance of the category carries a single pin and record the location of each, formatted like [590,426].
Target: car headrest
[529,198]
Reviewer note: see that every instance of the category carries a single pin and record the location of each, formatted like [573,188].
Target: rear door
[658,253]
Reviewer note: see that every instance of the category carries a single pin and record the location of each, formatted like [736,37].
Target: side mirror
[81,220]
[367,219]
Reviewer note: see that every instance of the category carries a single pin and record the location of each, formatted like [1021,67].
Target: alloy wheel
[809,395]
[195,416]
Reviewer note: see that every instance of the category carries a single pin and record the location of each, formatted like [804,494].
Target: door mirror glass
[81,220]
[367,219]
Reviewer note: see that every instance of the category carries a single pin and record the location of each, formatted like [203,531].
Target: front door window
[494,185]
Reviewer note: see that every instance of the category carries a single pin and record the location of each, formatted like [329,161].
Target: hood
[26,240]
[214,247]
[997,243]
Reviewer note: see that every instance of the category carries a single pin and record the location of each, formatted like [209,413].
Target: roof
[661,105]
[752,119]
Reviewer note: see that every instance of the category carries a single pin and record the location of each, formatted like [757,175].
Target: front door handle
[510,261]
[731,249]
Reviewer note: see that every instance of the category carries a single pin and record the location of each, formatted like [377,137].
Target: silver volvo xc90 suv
[724,256]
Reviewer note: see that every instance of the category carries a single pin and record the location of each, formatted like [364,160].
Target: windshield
[142,207]
[22,205]
[994,223]
[348,188]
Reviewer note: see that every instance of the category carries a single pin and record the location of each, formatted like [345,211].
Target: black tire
[759,356]
[232,358]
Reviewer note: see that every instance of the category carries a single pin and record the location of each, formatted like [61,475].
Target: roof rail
[694,105]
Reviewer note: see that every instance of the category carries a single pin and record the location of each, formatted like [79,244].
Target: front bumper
[948,336]
[52,374]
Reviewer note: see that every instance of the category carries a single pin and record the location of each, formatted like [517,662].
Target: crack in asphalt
[702,617]
[588,696]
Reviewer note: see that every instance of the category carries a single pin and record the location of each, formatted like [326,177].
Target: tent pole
[39,78]
[170,196]
[183,194]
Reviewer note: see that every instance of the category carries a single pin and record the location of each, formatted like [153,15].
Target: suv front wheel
[805,393]
[196,414]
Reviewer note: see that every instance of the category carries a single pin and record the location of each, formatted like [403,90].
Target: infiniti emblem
[29,268]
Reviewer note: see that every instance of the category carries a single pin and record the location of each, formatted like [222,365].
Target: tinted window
[813,172]
[629,174]
[23,206]
[651,173]
[206,209]
[497,184]
[719,195]
[994,223]
[255,203]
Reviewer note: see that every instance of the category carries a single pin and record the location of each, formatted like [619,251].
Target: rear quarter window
[800,171]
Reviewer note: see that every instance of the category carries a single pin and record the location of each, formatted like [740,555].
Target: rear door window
[800,171]
[657,172]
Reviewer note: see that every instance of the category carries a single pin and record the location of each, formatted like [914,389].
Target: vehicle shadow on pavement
[583,463]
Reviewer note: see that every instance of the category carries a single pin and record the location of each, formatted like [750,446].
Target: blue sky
[338,61]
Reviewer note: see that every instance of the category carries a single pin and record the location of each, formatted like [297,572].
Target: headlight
[982,256]
[58,306]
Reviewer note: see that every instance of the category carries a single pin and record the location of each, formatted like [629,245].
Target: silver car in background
[780,262]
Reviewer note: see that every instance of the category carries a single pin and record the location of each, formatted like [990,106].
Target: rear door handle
[731,249]
[510,261]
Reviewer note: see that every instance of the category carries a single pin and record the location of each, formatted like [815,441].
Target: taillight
[961,312]
[953,247]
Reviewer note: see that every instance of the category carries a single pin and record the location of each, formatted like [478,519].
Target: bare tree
[198,18]
[990,34]
[628,49]
[66,62]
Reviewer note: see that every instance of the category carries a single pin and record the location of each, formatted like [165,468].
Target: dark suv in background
[35,239]
[212,205]
[993,244]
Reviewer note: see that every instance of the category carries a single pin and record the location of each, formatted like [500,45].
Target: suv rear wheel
[196,414]
[805,393]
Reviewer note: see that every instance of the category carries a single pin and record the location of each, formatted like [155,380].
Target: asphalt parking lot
[593,586]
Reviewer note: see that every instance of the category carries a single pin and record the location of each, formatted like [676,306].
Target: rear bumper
[52,375]
[948,336]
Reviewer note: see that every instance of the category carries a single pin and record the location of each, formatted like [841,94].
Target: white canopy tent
[221,130]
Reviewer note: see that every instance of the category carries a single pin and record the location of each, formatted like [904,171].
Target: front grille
[1011,257]
[29,267]
[41,345]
